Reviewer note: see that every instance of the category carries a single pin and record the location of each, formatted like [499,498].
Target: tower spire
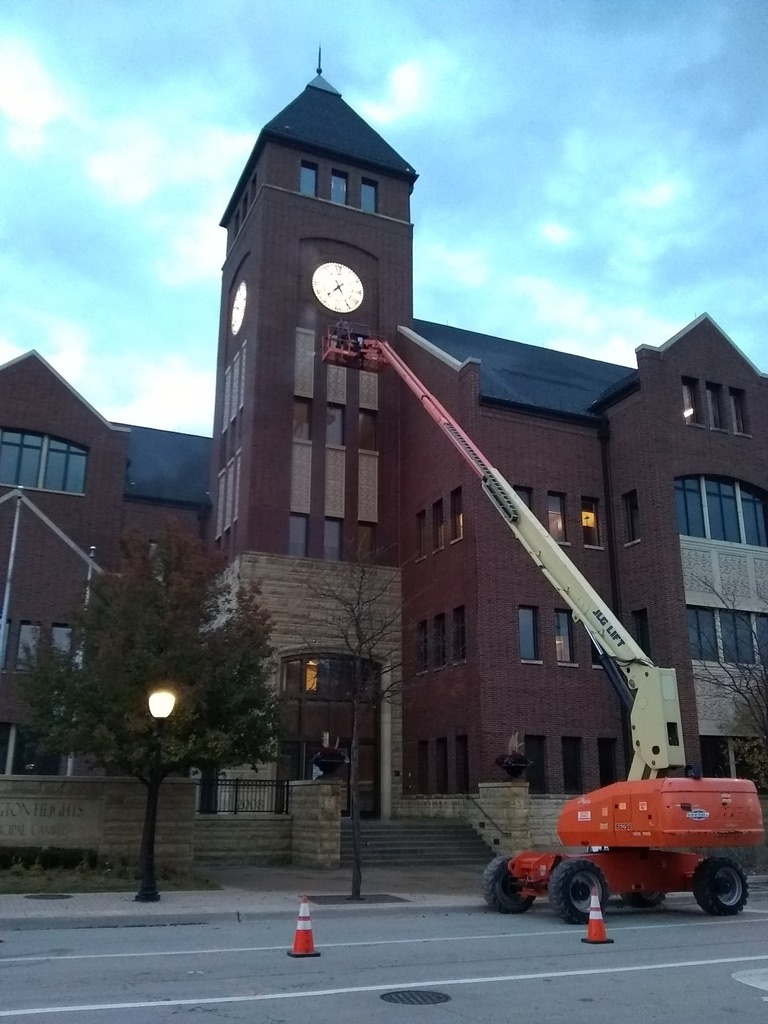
[319,60]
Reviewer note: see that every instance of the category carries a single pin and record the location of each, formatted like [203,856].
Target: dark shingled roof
[319,119]
[166,466]
[526,375]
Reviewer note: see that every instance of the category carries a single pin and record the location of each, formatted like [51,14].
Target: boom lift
[632,831]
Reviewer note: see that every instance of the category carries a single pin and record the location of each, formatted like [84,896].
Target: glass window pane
[721,506]
[753,510]
[367,426]
[690,511]
[297,536]
[368,196]
[556,515]
[701,634]
[338,187]
[308,179]
[736,630]
[528,632]
[438,526]
[334,431]
[457,515]
[563,639]
[302,419]
[332,540]
[589,524]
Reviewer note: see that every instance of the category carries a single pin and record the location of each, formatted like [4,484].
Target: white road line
[352,990]
[706,921]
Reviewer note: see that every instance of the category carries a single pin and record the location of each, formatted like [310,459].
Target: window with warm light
[589,524]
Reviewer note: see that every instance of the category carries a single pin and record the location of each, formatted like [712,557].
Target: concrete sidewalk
[247,892]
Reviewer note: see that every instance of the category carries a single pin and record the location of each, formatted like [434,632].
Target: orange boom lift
[631,831]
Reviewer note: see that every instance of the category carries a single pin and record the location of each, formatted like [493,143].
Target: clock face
[238,307]
[337,287]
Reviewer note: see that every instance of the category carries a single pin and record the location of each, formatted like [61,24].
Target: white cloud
[556,233]
[195,248]
[168,392]
[573,321]
[29,99]
[466,268]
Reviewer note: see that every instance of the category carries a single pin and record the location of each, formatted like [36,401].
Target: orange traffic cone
[303,943]
[596,927]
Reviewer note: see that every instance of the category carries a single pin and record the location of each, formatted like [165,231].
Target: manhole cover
[415,998]
[49,896]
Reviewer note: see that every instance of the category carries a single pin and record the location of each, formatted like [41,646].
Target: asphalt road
[673,965]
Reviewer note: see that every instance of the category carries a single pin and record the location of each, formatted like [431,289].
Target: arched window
[721,509]
[36,460]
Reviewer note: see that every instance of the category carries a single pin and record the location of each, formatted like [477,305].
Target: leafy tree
[168,618]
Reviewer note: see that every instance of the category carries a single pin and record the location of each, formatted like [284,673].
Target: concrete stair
[405,841]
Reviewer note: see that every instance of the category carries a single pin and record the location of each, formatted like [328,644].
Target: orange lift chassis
[632,832]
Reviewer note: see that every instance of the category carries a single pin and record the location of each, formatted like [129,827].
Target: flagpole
[8,579]
[89,577]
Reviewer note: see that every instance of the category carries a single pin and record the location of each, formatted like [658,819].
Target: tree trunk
[354,805]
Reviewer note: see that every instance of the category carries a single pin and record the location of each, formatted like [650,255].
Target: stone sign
[55,821]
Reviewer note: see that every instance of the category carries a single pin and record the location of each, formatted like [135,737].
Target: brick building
[654,480]
[71,483]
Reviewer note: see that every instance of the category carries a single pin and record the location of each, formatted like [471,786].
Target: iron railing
[242,796]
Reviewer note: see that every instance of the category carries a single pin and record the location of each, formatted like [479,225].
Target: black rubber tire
[501,890]
[720,886]
[570,889]
[644,900]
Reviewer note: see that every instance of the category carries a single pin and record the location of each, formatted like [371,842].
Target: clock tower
[305,455]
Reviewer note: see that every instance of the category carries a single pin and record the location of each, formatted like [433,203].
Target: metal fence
[242,796]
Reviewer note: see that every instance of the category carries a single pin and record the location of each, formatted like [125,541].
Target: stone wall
[262,839]
[102,814]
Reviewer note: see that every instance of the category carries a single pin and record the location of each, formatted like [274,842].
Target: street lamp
[161,704]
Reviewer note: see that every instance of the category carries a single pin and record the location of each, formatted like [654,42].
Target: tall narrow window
[459,634]
[536,772]
[457,515]
[564,637]
[528,630]
[421,533]
[338,187]
[714,405]
[462,764]
[439,653]
[298,531]
[641,630]
[441,765]
[367,431]
[422,766]
[571,748]
[738,639]
[369,195]
[334,430]
[691,410]
[606,761]
[701,634]
[525,494]
[438,525]
[722,511]
[366,540]
[422,646]
[631,516]
[302,419]
[29,637]
[690,510]
[589,524]
[332,540]
[753,511]
[61,637]
[308,179]
[738,410]
[556,515]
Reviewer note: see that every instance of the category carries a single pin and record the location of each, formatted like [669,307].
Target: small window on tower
[369,196]
[338,187]
[308,179]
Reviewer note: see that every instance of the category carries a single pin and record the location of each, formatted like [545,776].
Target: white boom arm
[649,692]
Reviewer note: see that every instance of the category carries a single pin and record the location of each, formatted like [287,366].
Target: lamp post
[161,704]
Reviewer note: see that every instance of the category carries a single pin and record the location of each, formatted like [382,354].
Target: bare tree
[730,646]
[361,606]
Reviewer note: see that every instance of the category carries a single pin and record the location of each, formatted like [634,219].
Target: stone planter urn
[513,764]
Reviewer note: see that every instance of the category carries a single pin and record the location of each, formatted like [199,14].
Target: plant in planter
[329,758]
[514,762]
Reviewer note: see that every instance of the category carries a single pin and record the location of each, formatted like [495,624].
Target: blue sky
[592,172]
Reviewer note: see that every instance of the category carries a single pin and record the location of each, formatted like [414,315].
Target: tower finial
[319,60]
